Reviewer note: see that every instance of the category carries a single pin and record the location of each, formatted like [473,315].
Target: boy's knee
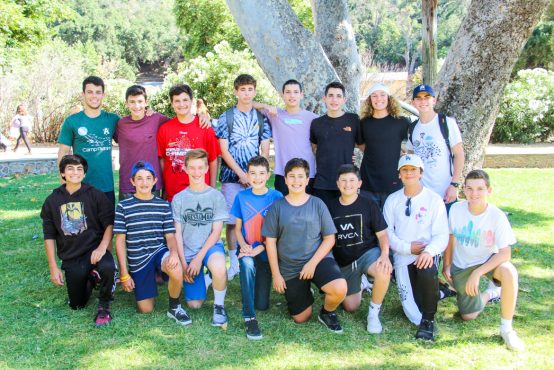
[145,309]
[350,306]
[194,304]
[507,272]
[469,316]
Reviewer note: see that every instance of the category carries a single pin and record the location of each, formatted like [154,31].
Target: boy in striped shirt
[145,244]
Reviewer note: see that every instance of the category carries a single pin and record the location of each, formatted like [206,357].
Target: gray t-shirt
[196,212]
[299,231]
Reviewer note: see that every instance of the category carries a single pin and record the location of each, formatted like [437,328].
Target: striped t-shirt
[145,223]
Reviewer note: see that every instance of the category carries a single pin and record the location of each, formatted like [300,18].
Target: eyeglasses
[408,211]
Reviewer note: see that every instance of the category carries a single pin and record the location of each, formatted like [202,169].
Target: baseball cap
[423,88]
[410,160]
[142,165]
[378,87]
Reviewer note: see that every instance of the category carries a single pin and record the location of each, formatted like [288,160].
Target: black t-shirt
[356,226]
[382,138]
[335,139]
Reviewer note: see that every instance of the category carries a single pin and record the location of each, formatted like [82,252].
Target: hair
[291,82]
[244,79]
[178,90]
[393,108]
[258,161]
[478,174]
[297,163]
[348,168]
[75,159]
[135,90]
[140,166]
[335,85]
[95,80]
[196,154]
[18,109]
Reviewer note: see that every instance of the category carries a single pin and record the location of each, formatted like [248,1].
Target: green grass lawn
[38,330]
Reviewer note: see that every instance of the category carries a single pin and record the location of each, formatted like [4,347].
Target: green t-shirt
[92,139]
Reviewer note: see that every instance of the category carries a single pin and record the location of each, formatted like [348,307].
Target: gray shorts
[353,272]
[230,191]
[468,304]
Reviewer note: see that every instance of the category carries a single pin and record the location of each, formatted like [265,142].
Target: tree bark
[429,46]
[284,48]
[333,30]
[478,66]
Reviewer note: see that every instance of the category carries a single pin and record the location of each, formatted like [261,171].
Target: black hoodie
[76,221]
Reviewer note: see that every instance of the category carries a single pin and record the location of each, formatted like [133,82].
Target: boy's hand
[417,247]
[307,272]
[128,285]
[97,255]
[172,261]
[149,112]
[279,283]
[205,121]
[56,276]
[472,285]
[271,109]
[243,179]
[194,267]
[383,264]
[451,194]
[423,261]
[446,274]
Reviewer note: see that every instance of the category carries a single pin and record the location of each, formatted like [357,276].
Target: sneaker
[494,292]
[366,284]
[232,272]
[446,291]
[426,330]
[179,315]
[253,330]
[512,341]
[207,280]
[103,317]
[374,325]
[331,321]
[220,316]
[94,278]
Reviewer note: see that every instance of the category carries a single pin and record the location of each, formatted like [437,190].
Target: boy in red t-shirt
[180,135]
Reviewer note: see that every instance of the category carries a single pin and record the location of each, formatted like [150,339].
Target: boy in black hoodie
[77,221]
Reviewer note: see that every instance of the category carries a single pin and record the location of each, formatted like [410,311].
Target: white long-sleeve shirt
[427,222]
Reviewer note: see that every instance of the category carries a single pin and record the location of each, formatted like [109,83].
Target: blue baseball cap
[423,88]
[142,165]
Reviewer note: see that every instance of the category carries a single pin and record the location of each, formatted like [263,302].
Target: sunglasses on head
[408,210]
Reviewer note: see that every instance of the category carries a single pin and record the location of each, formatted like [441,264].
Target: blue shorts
[145,278]
[197,290]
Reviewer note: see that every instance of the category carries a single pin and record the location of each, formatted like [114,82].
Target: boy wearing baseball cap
[146,244]
[438,141]
[418,234]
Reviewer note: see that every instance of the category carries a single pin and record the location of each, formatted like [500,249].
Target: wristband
[124,278]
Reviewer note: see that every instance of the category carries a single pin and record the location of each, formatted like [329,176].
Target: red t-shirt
[175,139]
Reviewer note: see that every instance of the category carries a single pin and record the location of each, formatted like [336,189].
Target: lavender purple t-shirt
[291,137]
[137,141]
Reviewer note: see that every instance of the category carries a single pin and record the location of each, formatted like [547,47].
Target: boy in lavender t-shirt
[136,136]
[291,122]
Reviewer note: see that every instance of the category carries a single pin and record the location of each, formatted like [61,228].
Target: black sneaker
[179,315]
[446,291]
[253,330]
[426,330]
[331,321]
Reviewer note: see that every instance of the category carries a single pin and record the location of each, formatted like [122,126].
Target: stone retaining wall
[28,166]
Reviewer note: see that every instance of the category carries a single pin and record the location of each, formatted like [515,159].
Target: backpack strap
[230,120]
[411,128]
[445,134]
[260,124]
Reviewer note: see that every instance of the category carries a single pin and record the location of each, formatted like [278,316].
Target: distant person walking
[23,123]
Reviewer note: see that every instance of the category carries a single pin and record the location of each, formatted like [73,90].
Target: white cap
[410,160]
[378,87]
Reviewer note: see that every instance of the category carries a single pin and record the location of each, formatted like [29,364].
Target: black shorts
[298,294]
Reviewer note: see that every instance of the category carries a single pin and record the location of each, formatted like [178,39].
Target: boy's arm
[278,281]
[196,263]
[179,245]
[100,251]
[173,259]
[383,262]
[245,248]
[213,173]
[439,238]
[62,150]
[447,261]
[127,282]
[472,285]
[398,245]
[56,274]
[458,166]
[265,107]
[233,165]
[264,149]
[322,251]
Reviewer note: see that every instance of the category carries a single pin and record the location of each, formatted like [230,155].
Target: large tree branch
[479,64]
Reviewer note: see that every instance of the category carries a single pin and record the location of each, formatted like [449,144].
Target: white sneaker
[207,281]
[366,284]
[232,272]
[512,341]
[374,325]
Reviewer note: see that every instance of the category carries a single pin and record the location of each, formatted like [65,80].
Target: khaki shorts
[468,304]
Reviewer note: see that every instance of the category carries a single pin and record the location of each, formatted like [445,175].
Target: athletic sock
[233,259]
[219,296]
[374,309]
[174,302]
[324,311]
[505,325]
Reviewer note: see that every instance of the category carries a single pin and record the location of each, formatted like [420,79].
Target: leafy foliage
[527,109]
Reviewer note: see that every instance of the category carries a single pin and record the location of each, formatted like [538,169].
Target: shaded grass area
[38,330]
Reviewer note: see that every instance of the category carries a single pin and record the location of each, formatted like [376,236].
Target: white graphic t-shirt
[477,238]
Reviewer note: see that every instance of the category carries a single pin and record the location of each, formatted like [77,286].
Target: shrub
[211,78]
[527,108]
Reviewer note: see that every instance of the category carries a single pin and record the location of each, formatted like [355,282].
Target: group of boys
[321,225]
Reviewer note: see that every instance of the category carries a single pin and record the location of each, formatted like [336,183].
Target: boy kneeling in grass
[479,245]
[145,244]
[77,221]
[299,235]
[199,212]
[250,208]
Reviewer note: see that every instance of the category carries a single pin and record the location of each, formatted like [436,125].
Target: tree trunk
[429,46]
[478,67]
[284,48]
[333,30]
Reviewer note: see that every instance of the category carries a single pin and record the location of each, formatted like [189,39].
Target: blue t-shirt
[145,223]
[244,141]
[251,209]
